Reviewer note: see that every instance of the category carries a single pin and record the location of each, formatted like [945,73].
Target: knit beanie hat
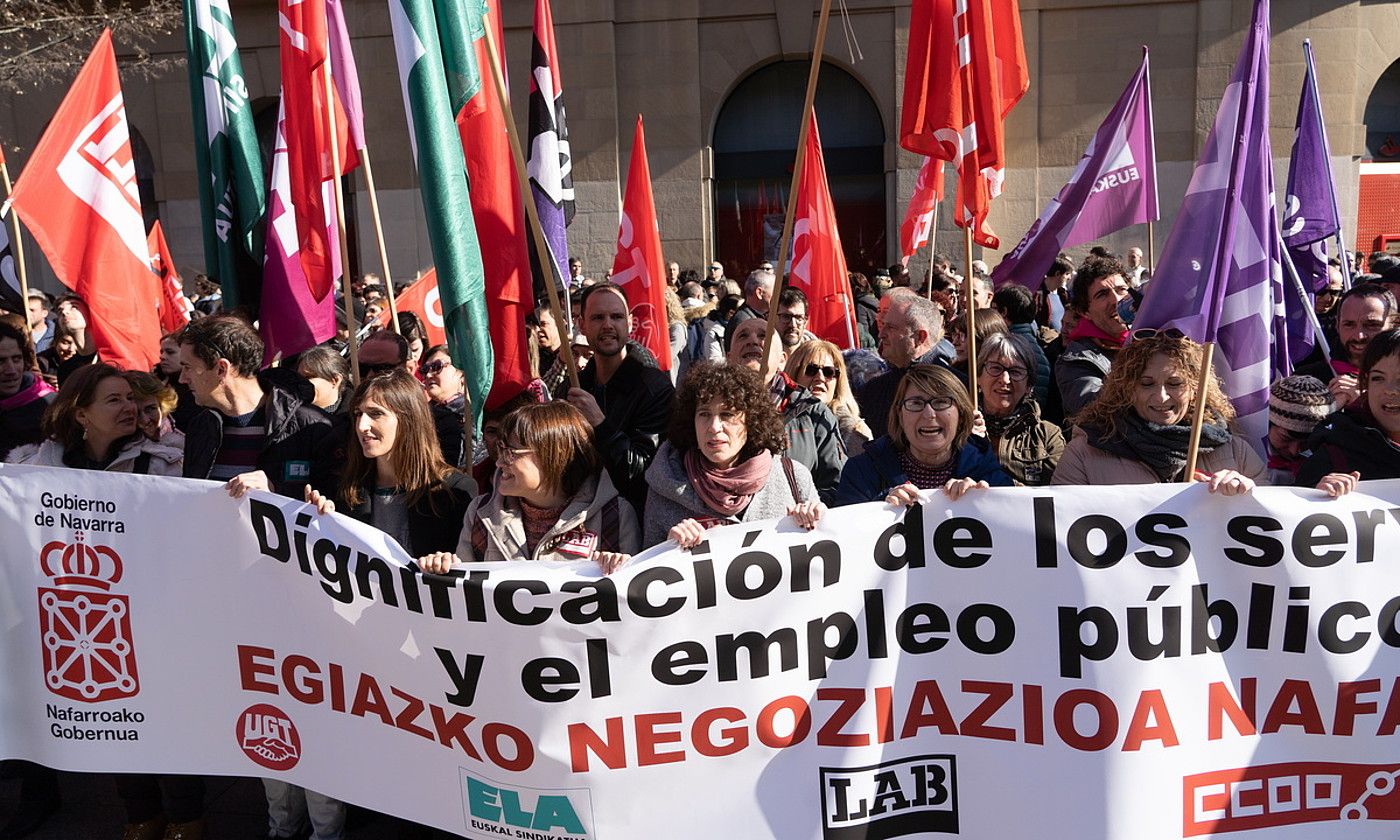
[1299,403]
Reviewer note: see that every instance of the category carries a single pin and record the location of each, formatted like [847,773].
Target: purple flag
[344,73]
[550,166]
[1114,185]
[290,319]
[1310,211]
[1221,273]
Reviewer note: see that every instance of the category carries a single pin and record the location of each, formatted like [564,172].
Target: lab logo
[900,798]
[85,627]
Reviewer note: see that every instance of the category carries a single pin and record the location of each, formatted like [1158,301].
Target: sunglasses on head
[828,371]
[1149,332]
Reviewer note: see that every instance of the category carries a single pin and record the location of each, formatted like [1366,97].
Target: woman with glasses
[929,445]
[395,477]
[552,499]
[722,461]
[1027,446]
[1137,430]
[819,367]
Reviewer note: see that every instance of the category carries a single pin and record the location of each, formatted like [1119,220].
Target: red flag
[966,70]
[175,308]
[639,267]
[500,226]
[422,300]
[919,218]
[818,264]
[78,198]
[304,49]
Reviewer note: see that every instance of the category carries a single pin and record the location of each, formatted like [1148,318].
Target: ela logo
[85,628]
[561,814]
[909,796]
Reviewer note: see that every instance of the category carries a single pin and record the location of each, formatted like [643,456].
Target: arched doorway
[1382,117]
[755,142]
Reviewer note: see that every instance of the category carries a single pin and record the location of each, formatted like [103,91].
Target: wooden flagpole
[379,239]
[18,245]
[970,342]
[348,292]
[1151,259]
[1198,416]
[532,214]
[785,242]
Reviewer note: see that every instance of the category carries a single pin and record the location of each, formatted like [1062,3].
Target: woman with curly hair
[1138,428]
[722,461]
[819,367]
[929,446]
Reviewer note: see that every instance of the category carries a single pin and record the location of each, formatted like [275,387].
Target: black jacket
[435,522]
[20,422]
[299,448]
[636,405]
[1350,440]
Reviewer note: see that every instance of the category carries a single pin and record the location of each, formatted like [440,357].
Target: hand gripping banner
[1115,662]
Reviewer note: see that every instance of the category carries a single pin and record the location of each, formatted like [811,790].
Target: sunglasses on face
[827,371]
[372,370]
[434,367]
[1148,332]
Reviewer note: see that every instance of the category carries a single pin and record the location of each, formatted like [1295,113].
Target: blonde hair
[843,399]
[1116,395]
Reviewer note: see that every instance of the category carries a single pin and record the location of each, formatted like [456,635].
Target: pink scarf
[727,491]
[1084,328]
[24,396]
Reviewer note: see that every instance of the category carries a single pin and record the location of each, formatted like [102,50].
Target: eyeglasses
[916,405]
[434,367]
[827,371]
[506,455]
[994,370]
[1148,332]
[1330,292]
[790,318]
[373,370]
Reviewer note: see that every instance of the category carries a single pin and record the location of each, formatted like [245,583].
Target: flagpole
[785,242]
[350,326]
[932,241]
[1151,265]
[1345,255]
[1303,295]
[1198,416]
[19,249]
[532,214]
[379,239]
[971,341]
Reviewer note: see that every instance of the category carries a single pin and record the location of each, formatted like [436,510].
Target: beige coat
[1081,463]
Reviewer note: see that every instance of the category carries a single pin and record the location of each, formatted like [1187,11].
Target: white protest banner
[1115,662]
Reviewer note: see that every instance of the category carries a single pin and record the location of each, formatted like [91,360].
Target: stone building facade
[719,83]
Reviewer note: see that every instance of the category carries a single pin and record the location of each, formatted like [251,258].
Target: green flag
[232,191]
[442,177]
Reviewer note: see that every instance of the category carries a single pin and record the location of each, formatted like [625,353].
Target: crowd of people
[739,428]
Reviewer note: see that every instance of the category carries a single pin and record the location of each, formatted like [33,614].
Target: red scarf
[727,491]
[1341,368]
[1084,328]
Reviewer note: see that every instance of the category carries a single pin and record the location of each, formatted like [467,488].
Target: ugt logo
[85,629]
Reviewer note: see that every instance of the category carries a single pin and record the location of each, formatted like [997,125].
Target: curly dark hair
[741,390]
[1094,268]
